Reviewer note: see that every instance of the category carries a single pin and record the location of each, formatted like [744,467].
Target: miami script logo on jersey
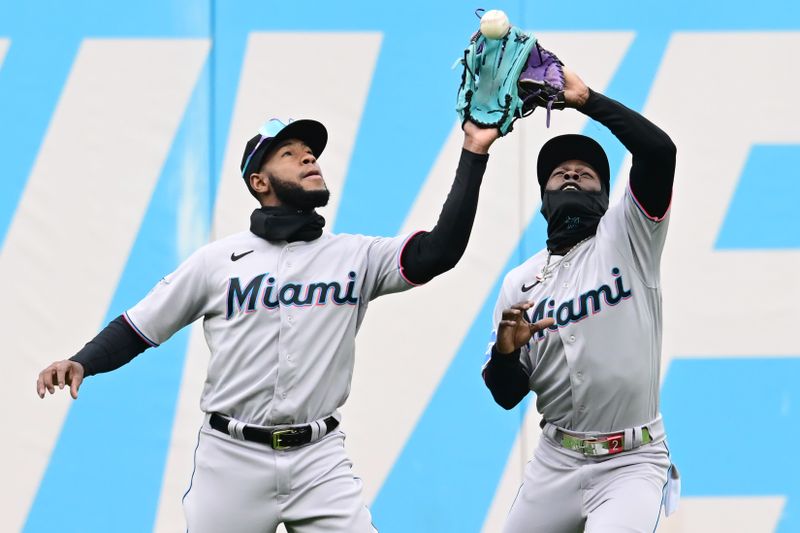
[290,294]
[577,309]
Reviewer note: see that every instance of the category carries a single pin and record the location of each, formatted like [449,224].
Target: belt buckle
[278,434]
[606,445]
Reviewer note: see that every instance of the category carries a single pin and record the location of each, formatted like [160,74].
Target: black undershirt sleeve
[428,254]
[653,167]
[506,378]
[116,345]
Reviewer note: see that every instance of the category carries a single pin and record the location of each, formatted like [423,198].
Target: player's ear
[259,183]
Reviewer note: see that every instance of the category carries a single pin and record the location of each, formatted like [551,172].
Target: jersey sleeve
[646,235]
[384,272]
[637,234]
[177,300]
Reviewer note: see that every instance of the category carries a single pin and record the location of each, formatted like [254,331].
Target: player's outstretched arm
[60,374]
[653,165]
[428,254]
[116,345]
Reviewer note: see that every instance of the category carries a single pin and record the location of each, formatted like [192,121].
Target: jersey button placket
[285,364]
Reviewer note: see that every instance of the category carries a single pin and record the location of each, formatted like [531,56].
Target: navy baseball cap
[272,133]
[572,146]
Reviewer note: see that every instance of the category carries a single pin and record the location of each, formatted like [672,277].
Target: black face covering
[286,224]
[572,216]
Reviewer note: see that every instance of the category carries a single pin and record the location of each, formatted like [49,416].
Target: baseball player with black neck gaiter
[579,323]
[281,305]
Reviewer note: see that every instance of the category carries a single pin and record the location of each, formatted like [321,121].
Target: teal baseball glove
[489,92]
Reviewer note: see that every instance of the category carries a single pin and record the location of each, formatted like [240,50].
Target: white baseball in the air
[494,24]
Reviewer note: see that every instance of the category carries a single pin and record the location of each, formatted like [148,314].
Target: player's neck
[564,250]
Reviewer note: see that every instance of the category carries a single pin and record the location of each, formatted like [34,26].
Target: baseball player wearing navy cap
[281,305]
[579,323]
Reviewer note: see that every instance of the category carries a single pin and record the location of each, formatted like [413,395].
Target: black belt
[277,439]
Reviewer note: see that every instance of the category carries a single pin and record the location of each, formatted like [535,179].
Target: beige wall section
[71,235]
[283,86]
[383,401]
[269,87]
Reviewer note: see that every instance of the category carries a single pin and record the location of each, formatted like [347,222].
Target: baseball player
[579,323]
[281,305]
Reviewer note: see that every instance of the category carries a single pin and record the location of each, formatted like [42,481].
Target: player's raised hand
[59,374]
[576,92]
[514,330]
[478,140]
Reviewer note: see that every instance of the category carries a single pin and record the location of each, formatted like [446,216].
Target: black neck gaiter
[572,216]
[286,224]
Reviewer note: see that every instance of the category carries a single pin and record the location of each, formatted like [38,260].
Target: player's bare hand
[60,374]
[478,140]
[514,330]
[576,92]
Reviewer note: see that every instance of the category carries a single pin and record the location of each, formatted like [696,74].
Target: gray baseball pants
[565,492]
[247,487]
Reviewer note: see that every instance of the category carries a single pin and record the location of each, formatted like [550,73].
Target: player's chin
[314,183]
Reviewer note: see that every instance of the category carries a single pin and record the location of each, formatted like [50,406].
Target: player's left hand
[514,330]
[478,140]
[59,374]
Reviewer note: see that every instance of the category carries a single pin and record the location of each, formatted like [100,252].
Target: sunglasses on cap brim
[268,130]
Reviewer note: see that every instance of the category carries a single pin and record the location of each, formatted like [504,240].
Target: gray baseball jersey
[280,319]
[597,369]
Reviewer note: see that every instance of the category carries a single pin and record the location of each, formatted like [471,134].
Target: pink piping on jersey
[142,335]
[400,264]
[644,211]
